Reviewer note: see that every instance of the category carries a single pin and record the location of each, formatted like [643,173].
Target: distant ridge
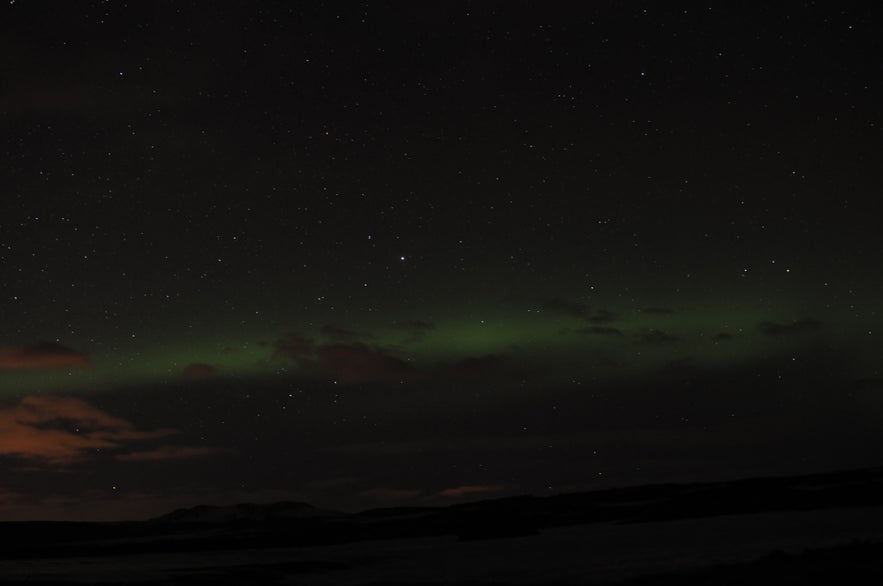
[287,524]
[245,512]
[844,488]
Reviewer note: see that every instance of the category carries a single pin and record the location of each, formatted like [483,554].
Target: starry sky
[401,253]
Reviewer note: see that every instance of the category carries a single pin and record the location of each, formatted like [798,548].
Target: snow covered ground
[584,554]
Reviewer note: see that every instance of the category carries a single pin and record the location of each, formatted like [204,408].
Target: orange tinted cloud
[45,355]
[339,334]
[471,489]
[357,362]
[61,430]
[349,363]
[198,371]
[169,453]
[360,363]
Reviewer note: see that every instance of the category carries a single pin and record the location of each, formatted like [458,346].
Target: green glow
[530,336]
[143,363]
[492,335]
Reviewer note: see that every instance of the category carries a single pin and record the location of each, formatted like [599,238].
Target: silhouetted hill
[251,526]
[245,512]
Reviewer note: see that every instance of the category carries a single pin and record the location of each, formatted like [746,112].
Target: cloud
[198,371]
[579,310]
[355,363]
[339,334]
[293,346]
[602,316]
[416,324]
[722,337]
[169,454]
[470,489]
[657,338]
[566,307]
[349,363]
[416,328]
[802,326]
[477,369]
[59,430]
[599,330]
[8,497]
[658,310]
[42,356]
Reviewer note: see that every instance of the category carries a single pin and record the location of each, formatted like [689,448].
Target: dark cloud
[566,307]
[349,363]
[385,496]
[657,338]
[602,316]
[416,328]
[802,326]
[470,490]
[44,355]
[658,310]
[170,454]
[198,371]
[599,331]
[579,310]
[339,334]
[294,347]
[477,369]
[416,324]
[722,337]
[362,363]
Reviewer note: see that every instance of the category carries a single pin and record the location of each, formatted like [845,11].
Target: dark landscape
[807,529]
[474,292]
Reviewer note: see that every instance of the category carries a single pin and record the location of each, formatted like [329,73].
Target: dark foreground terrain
[802,530]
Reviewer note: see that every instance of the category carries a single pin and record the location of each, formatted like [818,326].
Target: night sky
[377,254]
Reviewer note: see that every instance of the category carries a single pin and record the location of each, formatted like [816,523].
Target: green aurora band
[634,343]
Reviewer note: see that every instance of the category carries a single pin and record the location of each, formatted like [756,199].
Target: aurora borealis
[364,254]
